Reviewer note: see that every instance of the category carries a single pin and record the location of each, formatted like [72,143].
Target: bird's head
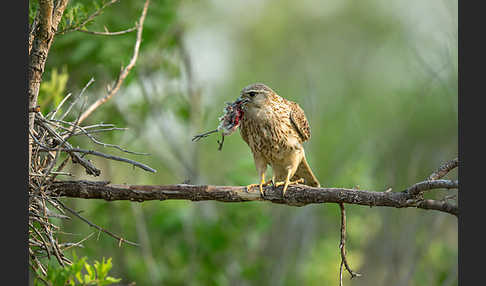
[255,95]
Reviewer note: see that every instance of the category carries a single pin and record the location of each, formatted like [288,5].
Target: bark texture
[296,195]
[42,36]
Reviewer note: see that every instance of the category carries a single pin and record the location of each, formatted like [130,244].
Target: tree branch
[42,37]
[124,72]
[41,40]
[342,248]
[108,33]
[418,188]
[444,169]
[107,156]
[88,19]
[296,195]
[119,238]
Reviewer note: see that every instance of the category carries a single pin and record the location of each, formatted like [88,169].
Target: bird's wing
[299,121]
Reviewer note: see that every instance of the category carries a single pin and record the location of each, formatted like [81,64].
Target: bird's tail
[304,171]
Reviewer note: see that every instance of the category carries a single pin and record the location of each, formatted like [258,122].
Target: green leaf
[79,277]
[87,278]
[91,274]
[110,280]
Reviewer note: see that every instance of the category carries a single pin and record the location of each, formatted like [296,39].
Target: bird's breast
[269,134]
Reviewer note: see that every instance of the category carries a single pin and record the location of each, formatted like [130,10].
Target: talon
[299,181]
[260,187]
[284,190]
[278,184]
[287,183]
[264,184]
[248,187]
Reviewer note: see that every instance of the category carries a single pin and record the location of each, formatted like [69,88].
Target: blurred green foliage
[378,83]
[52,90]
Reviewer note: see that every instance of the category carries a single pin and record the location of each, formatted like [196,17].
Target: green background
[378,83]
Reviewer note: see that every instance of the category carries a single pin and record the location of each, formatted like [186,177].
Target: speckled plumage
[275,128]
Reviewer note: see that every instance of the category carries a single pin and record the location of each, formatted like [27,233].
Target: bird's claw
[260,187]
[278,184]
[287,183]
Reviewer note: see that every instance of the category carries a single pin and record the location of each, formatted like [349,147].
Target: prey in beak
[229,121]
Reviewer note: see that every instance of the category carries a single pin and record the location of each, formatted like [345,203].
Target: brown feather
[299,121]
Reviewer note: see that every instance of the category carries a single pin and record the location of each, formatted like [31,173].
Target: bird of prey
[275,128]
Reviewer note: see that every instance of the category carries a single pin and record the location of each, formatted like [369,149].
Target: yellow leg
[287,182]
[262,183]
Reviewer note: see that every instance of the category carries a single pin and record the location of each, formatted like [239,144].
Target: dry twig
[124,72]
[107,156]
[444,169]
[342,247]
[119,238]
[108,33]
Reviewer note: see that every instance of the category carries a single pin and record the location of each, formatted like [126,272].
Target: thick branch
[37,57]
[296,195]
[42,36]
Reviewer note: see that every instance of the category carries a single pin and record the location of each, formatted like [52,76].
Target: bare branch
[66,246]
[89,167]
[296,195]
[76,99]
[444,169]
[42,239]
[59,8]
[124,72]
[102,130]
[88,134]
[72,151]
[119,238]
[107,33]
[107,156]
[436,205]
[342,247]
[53,113]
[430,185]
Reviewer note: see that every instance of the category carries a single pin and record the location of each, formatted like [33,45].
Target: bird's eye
[252,94]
